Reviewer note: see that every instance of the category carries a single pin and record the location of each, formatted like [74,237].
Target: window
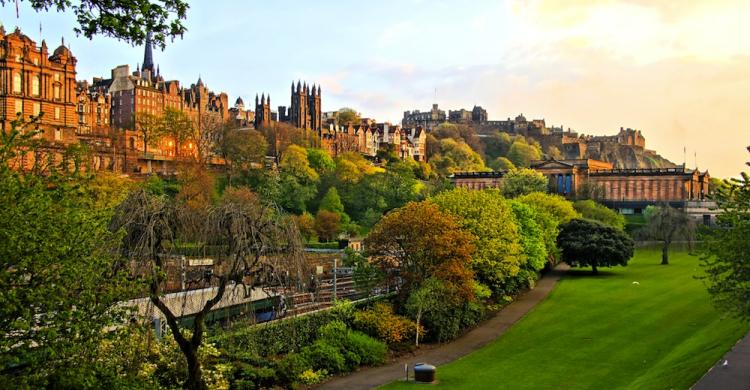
[16,83]
[57,76]
[35,85]
[37,109]
[56,91]
[58,135]
[57,112]
[19,106]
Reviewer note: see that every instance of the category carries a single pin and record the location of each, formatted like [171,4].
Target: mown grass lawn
[604,332]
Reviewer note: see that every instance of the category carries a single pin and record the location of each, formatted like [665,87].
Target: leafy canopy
[591,243]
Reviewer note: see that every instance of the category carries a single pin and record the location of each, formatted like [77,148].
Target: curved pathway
[471,341]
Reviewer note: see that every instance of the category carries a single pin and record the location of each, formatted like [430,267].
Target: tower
[262,111]
[148,58]
[305,112]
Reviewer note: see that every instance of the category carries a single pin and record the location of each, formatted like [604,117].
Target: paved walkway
[477,338]
[735,375]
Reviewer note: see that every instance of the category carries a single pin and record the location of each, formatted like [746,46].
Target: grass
[604,332]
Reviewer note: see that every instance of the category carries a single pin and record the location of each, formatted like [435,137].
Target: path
[476,338]
[735,375]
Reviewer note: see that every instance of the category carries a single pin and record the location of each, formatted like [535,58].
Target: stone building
[427,120]
[305,109]
[35,83]
[262,111]
[478,180]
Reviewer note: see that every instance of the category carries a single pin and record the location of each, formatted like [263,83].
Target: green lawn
[605,332]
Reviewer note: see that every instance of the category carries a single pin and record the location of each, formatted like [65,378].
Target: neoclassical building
[627,190]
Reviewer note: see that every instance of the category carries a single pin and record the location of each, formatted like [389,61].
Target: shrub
[324,356]
[371,352]
[310,377]
[380,322]
[356,347]
[290,367]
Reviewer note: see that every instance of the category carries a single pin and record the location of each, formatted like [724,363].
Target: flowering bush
[380,322]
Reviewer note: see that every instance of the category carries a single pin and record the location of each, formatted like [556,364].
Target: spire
[263,98]
[148,55]
[313,90]
[268,101]
[318,89]
[256,99]
[292,86]
[299,88]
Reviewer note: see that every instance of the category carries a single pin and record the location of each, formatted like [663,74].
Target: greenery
[523,181]
[129,20]
[588,243]
[726,251]
[665,223]
[499,253]
[589,209]
[662,333]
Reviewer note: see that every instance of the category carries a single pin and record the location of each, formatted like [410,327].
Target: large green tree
[726,250]
[521,153]
[499,255]
[523,181]
[59,274]
[298,179]
[587,243]
[589,209]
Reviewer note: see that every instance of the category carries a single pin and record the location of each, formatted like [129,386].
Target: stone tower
[262,111]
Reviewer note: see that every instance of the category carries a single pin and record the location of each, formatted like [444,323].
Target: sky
[677,70]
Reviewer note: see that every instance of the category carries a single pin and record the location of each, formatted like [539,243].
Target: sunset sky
[678,70]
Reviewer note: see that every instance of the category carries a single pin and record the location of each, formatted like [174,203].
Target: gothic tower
[305,112]
[262,111]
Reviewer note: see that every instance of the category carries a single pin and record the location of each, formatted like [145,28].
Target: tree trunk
[594,270]
[194,381]
[416,338]
[665,253]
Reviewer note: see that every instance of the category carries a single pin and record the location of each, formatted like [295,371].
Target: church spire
[148,55]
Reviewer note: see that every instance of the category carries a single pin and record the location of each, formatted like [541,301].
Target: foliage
[241,149]
[589,209]
[523,181]
[149,127]
[298,179]
[346,116]
[427,298]
[332,202]
[522,153]
[501,164]
[380,322]
[59,274]
[591,243]
[366,276]
[324,356]
[554,153]
[499,254]
[456,156]
[128,20]
[176,126]
[460,133]
[726,250]
[532,235]
[327,225]
[320,161]
[306,225]
[420,241]
[557,206]
[665,223]
[356,347]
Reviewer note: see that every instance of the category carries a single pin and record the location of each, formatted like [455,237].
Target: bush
[324,356]
[356,347]
[380,322]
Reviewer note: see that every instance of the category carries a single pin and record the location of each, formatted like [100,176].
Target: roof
[478,175]
[642,171]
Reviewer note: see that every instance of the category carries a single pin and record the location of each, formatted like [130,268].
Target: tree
[298,179]
[306,225]
[327,225]
[347,116]
[149,126]
[61,280]
[523,181]
[178,127]
[598,212]
[426,298]
[522,153]
[320,161]
[554,153]
[252,241]
[460,133]
[242,150]
[332,202]
[501,164]
[420,241]
[532,235]
[665,223]
[726,250]
[591,243]
[549,212]
[499,254]
[456,156]
[129,20]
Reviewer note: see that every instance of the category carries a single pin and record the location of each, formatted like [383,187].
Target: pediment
[551,164]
